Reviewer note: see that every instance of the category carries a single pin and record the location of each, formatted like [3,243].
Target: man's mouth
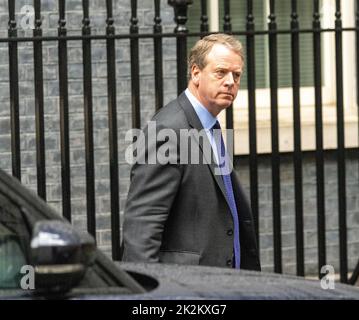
[227,94]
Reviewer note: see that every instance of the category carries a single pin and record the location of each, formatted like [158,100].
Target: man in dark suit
[187,213]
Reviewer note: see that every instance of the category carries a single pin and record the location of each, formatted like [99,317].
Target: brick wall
[122,13]
[309,208]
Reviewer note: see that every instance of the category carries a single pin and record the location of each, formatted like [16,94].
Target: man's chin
[220,105]
[225,103]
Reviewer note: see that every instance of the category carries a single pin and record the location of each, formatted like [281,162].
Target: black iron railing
[319,134]
[273,65]
[181,34]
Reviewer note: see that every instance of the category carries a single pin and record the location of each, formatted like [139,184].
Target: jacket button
[229,263]
[230,232]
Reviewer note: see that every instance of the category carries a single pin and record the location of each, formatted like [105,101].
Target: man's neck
[193,89]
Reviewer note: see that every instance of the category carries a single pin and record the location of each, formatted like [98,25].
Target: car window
[12,258]
[19,212]
[14,238]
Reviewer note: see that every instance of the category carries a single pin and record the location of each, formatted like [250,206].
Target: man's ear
[195,74]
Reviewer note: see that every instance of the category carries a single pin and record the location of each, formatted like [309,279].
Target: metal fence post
[64,114]
[297,155]
[180,11]
[112,133]
[135,68]
[88,113]
[319,155]
[39,104]
[227,28]
[275,159]
[204,17]
[343,252]
[14,93]
[251,80]
[157,29]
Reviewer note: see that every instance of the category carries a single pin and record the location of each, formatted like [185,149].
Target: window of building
[261,12]
[238,12]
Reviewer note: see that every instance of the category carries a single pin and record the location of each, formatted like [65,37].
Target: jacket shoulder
[171,116]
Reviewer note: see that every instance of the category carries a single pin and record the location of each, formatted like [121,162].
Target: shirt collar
[206,118]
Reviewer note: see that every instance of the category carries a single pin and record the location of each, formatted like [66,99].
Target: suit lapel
[195,123]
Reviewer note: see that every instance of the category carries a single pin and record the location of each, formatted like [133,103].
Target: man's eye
[236,76]
[220,73]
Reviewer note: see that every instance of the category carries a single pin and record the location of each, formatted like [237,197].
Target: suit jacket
[178,213]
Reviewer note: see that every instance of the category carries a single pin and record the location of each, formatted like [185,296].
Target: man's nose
[229,79]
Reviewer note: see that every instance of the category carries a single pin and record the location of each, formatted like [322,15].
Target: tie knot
[216,126]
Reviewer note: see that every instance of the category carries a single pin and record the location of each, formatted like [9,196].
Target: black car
[42,256]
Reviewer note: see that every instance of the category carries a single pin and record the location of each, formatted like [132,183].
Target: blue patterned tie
[225,173]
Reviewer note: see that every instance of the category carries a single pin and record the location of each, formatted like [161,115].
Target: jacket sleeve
[152,192]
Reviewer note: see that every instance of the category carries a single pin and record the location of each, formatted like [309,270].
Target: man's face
[218,82]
